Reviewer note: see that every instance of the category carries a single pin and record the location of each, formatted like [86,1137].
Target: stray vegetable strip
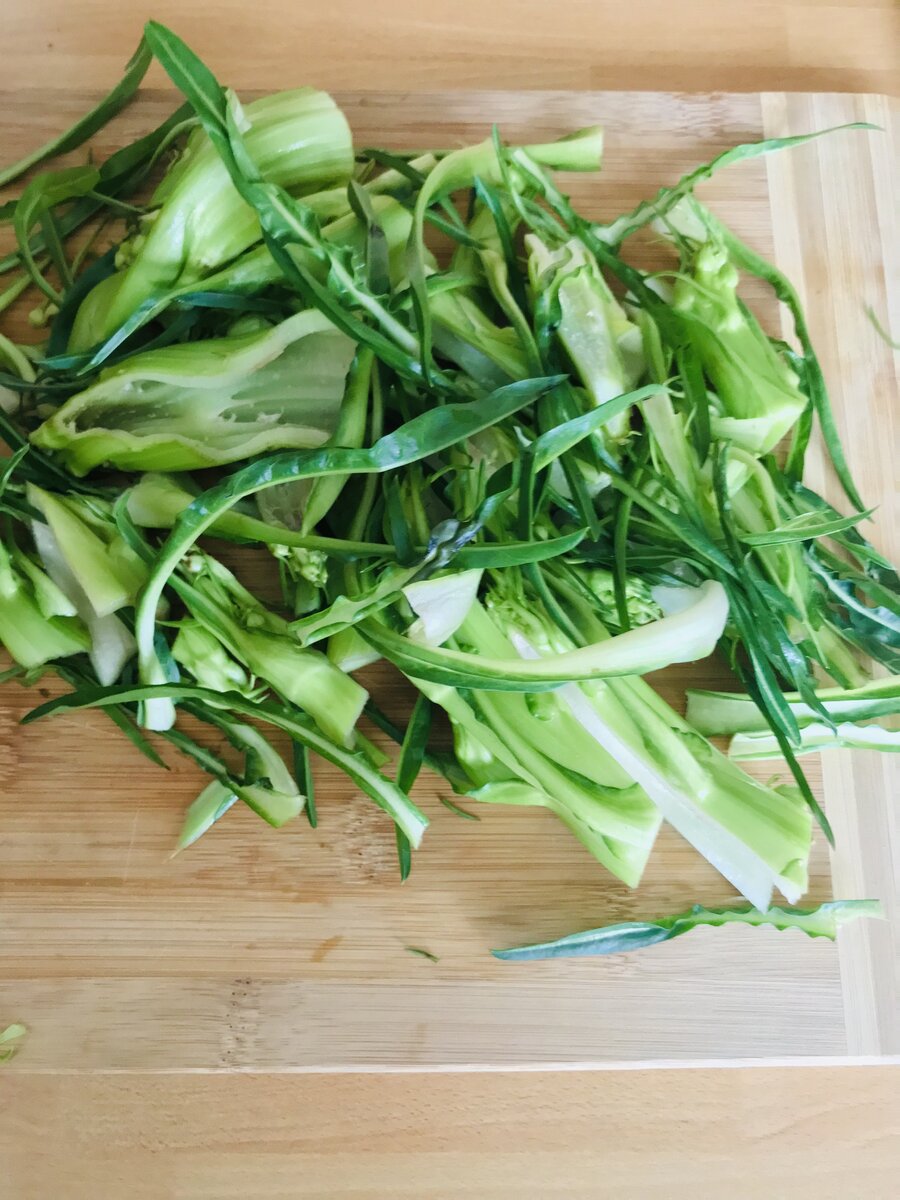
[823,921]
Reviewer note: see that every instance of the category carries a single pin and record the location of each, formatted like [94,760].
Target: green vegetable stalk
[206,403]
[758,510]
[489,353]
[261,641]
[297,139]
[204,656]
[37,622]
[530,750]
[814,738]
[96,570]
[603,345]
[212,803]
[848,709]
[106,569]
[757,837]
[758,391]
[11,1037]
[721,713]
[250,274]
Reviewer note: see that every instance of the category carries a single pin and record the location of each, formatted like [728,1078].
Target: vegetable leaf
[823,921]
[385,793]
[86,126]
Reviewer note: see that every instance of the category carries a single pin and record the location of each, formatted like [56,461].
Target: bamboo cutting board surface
[288,950]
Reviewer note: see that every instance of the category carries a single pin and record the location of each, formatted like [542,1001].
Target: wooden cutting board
[289,950]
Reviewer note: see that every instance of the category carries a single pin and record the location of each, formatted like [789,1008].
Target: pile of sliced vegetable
[525,473]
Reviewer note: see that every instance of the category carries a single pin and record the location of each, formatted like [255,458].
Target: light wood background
[795,1132]
[819,1134]
[626,45]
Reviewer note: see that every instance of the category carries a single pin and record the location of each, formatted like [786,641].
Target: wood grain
[264,950]
[822,1134]
[731,45]
[813,193]
[795,1132]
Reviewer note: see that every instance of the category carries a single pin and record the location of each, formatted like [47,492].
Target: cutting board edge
[868,98]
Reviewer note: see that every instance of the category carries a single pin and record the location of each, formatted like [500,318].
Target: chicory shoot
[523,473]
